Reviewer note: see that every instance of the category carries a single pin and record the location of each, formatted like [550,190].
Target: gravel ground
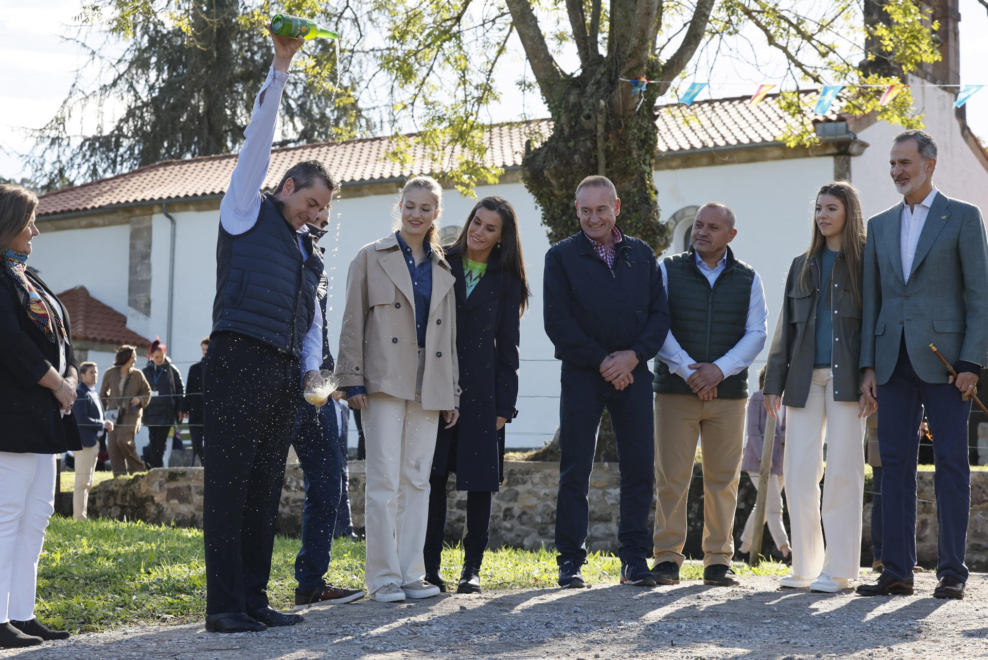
[689,621]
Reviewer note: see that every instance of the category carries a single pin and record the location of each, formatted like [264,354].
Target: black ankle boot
[470,577]
[433,576]
[35,628]
[12,638]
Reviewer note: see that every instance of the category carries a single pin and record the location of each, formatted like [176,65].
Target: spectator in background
[124,393]
[361,446]
[751,462]
[37,389]
[167,391]
[88,411]
[344,523]
[192,405]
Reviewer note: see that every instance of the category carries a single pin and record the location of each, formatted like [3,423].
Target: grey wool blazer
[945,302]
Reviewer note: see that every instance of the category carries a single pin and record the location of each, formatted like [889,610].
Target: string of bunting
[828,94]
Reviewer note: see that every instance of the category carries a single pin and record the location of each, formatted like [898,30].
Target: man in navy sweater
[607,315]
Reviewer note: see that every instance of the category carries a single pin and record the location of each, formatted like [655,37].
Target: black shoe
[274,619]
[436,578]
[570,576]
[719,575]
[35,628]
[887,585]
[666,572]
[469,578]
[232,622]
[637,574]
[12,638]
[949,587]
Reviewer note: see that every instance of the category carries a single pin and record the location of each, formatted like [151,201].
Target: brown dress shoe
[327,594]
[887,585]
[949,587]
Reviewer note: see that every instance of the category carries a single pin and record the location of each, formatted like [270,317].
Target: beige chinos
[679,420]
[85,467]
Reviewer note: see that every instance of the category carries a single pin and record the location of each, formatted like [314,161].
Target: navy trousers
[316,441]
[344,523]
[876,515]
[902,400]
[584,396]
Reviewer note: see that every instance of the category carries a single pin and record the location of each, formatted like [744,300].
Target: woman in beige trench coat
[397,359]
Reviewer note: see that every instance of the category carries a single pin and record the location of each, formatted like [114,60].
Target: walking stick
[768,446]
[953,373]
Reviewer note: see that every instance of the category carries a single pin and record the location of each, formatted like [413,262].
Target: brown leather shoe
[887,585]
[325,595]
[949,587]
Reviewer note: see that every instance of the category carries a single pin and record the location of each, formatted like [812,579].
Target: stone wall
[524,510]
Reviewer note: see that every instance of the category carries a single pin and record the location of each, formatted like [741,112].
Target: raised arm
[240,205]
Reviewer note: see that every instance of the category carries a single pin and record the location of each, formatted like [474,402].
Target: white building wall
[959,173]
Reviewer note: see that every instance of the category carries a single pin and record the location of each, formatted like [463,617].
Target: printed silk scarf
[37,311]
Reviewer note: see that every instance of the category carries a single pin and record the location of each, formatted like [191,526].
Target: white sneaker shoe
[389,593]
[420,589]
[829,585]
[795,582]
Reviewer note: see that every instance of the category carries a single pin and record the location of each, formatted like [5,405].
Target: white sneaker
[389,593]
[795,582]
[829,585]
[420,589]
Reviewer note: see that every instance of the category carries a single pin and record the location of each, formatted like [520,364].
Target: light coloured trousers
[27,500]
[843,489]
[679,419]
[401,440]
[773,513]
[85,467]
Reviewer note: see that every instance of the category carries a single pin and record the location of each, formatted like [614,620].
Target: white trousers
[27,500]
[843,488]
[401,439]
[85,467]
[773,513]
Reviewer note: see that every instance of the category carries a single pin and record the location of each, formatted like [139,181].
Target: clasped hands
[617,367]
[705,379]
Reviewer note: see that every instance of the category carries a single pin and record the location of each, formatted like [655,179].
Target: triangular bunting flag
[760,94]
[966,93]
[638,85]
[891,92]
[691,93]
[827,96]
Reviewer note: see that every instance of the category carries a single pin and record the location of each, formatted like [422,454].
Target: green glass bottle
[292,26]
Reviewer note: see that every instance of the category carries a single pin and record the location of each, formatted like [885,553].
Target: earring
[499,245]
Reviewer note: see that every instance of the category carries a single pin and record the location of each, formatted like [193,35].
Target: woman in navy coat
[491,295]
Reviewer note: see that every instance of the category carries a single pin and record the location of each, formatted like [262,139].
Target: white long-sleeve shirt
[242,202]
[748,347]
[913,221]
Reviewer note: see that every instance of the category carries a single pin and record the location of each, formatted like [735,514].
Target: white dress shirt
[242,202]
[912,226]
[748,347]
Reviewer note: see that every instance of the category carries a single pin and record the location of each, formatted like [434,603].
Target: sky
[39,68]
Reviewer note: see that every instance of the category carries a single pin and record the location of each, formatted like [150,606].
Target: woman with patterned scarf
[38,377]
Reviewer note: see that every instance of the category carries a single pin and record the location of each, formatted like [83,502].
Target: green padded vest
[707,322]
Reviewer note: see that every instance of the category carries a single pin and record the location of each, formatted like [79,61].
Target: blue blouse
[421,286]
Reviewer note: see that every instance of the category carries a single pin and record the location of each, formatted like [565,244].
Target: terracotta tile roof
[717,123]
[95,321]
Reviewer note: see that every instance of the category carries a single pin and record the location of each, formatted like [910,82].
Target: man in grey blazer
[925,272]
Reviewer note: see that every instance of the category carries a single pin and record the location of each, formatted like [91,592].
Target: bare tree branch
[578,22]
[544,66]
[622,23]
[783,48]
[646,14]
[983,3]
[694,36]
[595,27]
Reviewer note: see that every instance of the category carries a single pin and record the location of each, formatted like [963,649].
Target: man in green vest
[718,326]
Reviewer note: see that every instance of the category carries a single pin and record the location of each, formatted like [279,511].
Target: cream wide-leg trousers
[27,500]
[843,489]
[401,440]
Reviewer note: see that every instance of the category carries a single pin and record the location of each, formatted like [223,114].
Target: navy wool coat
[487,339]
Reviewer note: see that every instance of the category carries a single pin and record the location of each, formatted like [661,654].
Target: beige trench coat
[378,343]
[113,399]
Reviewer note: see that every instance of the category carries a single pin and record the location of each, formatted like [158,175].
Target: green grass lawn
[67,480]
[101,574]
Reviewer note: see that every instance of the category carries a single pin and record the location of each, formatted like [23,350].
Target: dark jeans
[583,398]
[316,441]
[876,515]
[158,441]
[250,396]
[195,433]
[903,398]
[344,524]
[478,524]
